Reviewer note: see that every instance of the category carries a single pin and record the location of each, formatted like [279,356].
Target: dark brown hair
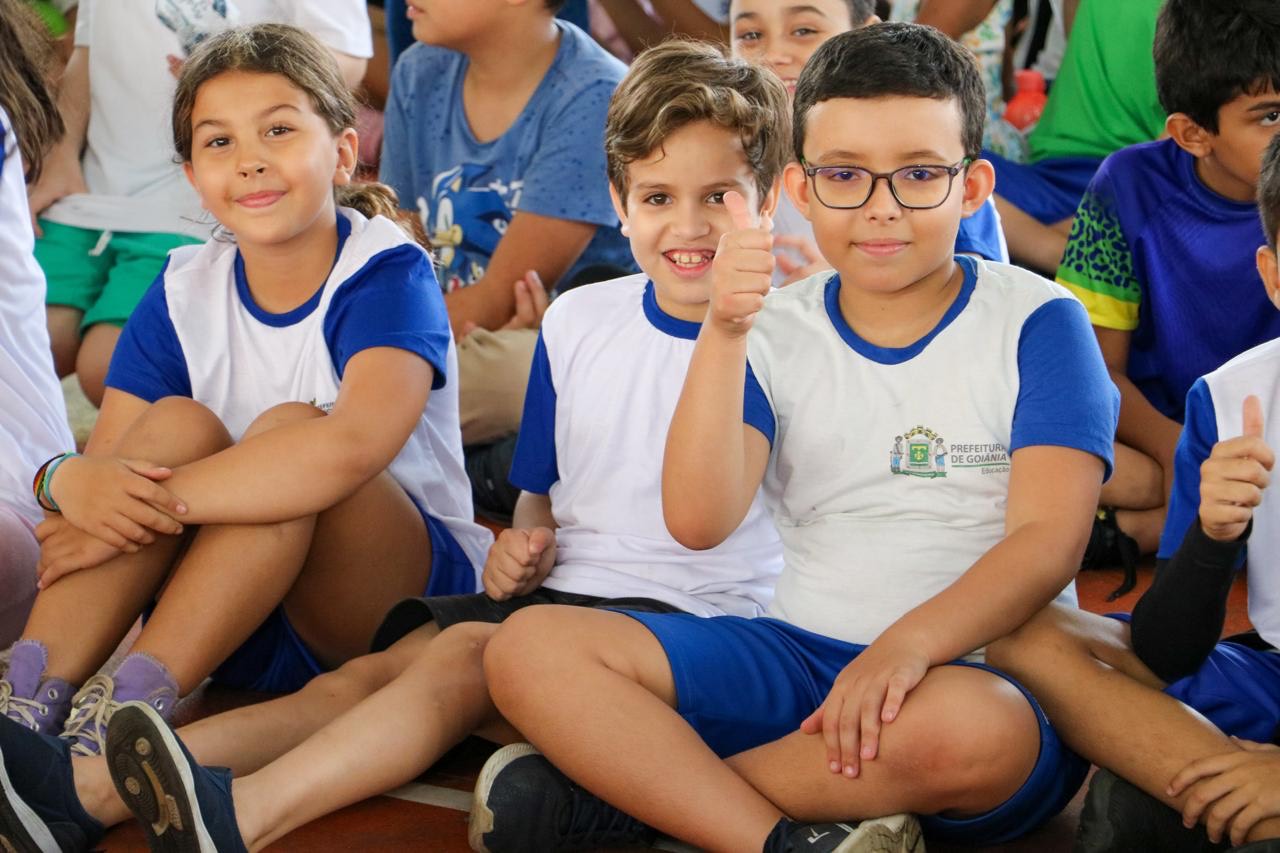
[680,82]
[26,61]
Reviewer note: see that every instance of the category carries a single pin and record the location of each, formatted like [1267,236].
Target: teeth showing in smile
[690,259]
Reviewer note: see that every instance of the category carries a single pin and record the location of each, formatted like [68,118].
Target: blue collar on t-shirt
[897,355]
[664,322]
[297,315]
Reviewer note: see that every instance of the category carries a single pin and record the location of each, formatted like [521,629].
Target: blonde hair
[680,82]
[307,64]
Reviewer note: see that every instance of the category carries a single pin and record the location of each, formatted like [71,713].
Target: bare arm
[1141,426]
[544,244]
[685,18]
[954,17]
[1069,10]
[62,175]
[308,466]
[533,510]
[637,28]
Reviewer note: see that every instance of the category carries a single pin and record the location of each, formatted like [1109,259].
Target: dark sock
[779,838]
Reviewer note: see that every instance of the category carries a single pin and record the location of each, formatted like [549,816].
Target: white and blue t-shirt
[550,161]
[1214,412]
[607,372]
[199,333]
[889,469]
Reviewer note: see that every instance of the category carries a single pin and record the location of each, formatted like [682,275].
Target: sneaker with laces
[523,804]
[139,678]
[40,811]
[182,806]
[1118,817]
[29,698]
[898,833]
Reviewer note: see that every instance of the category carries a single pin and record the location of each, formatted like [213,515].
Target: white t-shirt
[134,183]
[1215,413]
[33,416]
[607,371]
[889,468]
[199,333]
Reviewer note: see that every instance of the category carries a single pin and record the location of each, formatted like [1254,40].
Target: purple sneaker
[27,697]
[140,678]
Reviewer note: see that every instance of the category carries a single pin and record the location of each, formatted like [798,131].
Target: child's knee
[176,424]
[356,679]
[19,553]
[284,413]
[1045,635]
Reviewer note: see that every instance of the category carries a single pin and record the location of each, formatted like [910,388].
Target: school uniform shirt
[1156,252]
[33,416]
[889,470]
[1215,407]
[607,372]
[199,333]
[550,161]
[134,183]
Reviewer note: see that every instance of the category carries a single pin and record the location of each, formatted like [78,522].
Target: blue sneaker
[39,809]
[182,806]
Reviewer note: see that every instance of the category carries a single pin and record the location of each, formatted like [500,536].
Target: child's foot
[139,678]
[39,809]
[29,698]
[523,803]
[898,833]
[182,806]
[1118,816]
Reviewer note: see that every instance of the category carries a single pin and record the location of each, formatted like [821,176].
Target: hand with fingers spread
[1231,792]
[811,261]
[119,501]
[519,561]
[1233,478]
[742,270]
[867,695]
[65,548]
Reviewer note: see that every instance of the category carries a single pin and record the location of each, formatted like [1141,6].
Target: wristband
[47,481]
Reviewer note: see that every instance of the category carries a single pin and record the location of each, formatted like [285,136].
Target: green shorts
[101,273]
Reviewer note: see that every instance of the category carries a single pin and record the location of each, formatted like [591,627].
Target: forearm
[1179,619]
[73,104]
[484,303]
[1142,426]
[533,510]
[634,24]
[704,465]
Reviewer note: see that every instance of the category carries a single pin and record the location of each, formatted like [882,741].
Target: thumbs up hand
[743,268]
[1233,478]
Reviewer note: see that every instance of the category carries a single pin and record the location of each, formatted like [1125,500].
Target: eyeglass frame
[953,170]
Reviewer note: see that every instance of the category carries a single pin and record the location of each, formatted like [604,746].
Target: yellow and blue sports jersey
[1156,252]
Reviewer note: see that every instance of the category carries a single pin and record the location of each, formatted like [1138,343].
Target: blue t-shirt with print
[550,161]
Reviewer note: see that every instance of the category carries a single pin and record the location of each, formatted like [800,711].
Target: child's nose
[882,204]
[691,222]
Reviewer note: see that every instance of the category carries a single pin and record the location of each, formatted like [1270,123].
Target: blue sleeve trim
[392,301]
[980,235]
[533,466]
[148,361]
[1065,397]
[1199,435]
[756,410]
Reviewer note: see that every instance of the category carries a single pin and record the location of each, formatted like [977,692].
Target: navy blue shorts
[1049,190]
[1237,688]
[742,683]
[275,659]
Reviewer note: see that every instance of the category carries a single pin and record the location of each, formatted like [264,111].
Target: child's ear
[979,181]
[620,208]
[770,202]
[1191,137]
[348,156]
[796,183]
[1269,272]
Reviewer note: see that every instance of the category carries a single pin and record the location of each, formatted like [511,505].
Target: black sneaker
[899,833]
[1110,547]
[523,804]
[39,809]
[1118,817]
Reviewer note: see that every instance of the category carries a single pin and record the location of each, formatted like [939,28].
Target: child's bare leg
[94,357]
[83,616]
[19,553]
[1137,481]
[1030,241]
[247,739]
[1106,704]
[385,741]
[233,576]
[63,322]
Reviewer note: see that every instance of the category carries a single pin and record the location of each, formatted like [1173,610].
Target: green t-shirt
[1104,97]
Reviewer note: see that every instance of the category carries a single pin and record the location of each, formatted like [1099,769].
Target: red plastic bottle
[1024,108]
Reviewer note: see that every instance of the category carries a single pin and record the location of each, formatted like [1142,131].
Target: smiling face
[882,246]
[263,161]
[674,211]
[783,34]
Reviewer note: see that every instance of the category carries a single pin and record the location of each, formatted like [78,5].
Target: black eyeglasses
[919,187]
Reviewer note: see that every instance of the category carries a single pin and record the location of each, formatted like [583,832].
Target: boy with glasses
[866,693]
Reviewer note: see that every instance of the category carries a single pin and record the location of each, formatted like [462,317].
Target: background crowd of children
[337,278]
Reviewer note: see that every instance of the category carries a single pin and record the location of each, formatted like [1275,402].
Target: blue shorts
[1049,190]
[742,683]
[1237,688]
[275,659]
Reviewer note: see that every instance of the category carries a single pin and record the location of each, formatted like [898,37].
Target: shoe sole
[898,833]
[21,829]
[480,823]
[153,778]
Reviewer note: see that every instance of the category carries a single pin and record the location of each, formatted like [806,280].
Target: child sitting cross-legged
[864,693]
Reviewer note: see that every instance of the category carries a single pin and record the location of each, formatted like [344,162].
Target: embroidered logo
[918,452]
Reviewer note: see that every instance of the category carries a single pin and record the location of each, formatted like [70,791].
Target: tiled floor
[429,815]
